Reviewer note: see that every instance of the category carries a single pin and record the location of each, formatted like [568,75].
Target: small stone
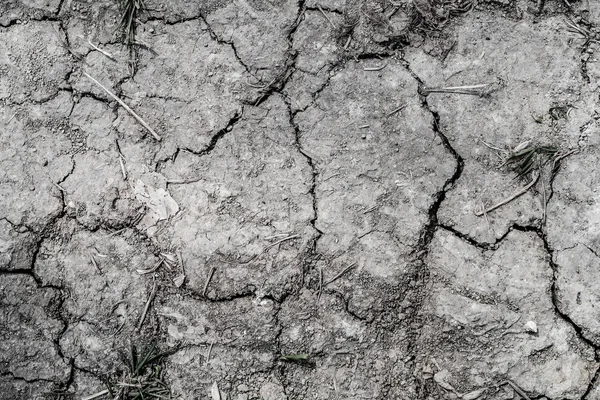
[531,327]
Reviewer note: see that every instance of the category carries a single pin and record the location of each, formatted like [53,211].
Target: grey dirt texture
[312,195]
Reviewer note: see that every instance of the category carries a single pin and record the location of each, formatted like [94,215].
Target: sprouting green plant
[130,11]
[527,158]
[295,357]
[143,376]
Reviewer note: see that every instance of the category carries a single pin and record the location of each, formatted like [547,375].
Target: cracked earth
[306,197]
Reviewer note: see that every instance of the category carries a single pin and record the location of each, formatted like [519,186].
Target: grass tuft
[142,378]
[130,11]
[527,158]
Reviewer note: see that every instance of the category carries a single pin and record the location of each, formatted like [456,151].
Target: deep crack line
[429,230]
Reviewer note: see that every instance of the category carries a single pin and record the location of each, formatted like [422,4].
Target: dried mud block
[577,292]
[95,21]
[574,211]
[34,155]
[479,315]
[231,342]
[33,63]
[94,120]
[202,322]
[348,357]
[535,69]
[96,194]
[48,6]
[317,47]
[107,295]
[27,348]
[17,247]
[316,41]
[109,72]
[239,373]
[379,165]
[259,31]
[192,100]
[251,191]
[574,234]
[20,389]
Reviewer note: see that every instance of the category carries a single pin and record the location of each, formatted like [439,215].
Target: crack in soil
[217,39]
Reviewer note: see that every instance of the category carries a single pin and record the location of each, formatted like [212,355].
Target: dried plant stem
[150,298]
[338,276]
[125,106]
[521,192]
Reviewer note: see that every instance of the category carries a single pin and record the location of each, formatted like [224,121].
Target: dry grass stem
[327,18]
[123,171]
[96,395]
[106,53]
[94,263]
[375,68]
[209,352]
[475,90]
[125,106]
[521,192]
[208,279]
[338,276]
[147,307]
[402,107]
[517,389]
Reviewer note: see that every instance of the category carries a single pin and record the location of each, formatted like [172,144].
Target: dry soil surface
[310,195]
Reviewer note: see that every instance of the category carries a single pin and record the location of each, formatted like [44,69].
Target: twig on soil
[10,119]
[560,157]
[151,269]
[517,389]
[544,202]
[510,198]
[96,395]
[208,279]
[489,146]
[123,171]
[106,53]
[320,284]
[125,106]
[116,232]
[375,68]
[270,246]
[578,29]
[327,18]
[150,298]
[209,350]
[283,240]
[348,42]
[471,89]
[338,276]
[182,181]
[403,106]
[94,263]
[62,189]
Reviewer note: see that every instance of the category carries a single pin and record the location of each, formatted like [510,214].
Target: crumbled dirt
[309,196]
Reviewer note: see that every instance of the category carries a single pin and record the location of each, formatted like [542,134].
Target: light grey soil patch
[234,219]
[479,307]
[377,175]
[304,199]
[26,318]
[106,294]
[503,119]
